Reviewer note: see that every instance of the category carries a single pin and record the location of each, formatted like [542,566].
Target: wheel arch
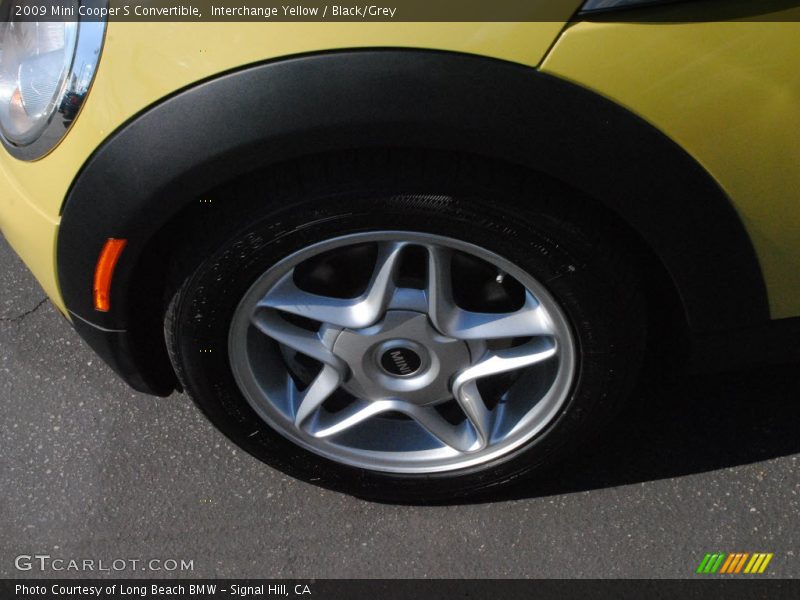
[168,156]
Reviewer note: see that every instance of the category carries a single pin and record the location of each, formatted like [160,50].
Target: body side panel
[30,231]
[728,93]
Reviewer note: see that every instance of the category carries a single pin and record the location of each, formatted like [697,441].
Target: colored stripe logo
[734,563]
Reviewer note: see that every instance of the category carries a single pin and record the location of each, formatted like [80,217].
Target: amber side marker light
[104,271]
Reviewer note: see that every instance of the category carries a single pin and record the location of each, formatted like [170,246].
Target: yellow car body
[727,92]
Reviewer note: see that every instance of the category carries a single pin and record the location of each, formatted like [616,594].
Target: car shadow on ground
[693,424]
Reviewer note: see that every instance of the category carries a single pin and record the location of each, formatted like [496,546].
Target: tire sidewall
[531,234]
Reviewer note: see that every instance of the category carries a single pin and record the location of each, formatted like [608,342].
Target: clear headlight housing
[35,59]
[46,68]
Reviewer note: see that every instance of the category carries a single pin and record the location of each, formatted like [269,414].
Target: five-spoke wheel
[424,370]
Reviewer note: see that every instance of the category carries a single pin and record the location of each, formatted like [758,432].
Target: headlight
[46,69]
[33,70]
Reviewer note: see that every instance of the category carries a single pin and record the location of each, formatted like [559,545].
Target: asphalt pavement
[90,469]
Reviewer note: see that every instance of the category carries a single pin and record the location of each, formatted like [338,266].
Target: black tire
[541,226]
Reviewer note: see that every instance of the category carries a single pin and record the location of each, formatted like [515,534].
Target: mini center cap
[400,361]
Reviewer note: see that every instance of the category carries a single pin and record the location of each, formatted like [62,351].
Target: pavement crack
[21,317]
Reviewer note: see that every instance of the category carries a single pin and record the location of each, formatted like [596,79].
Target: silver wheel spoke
[496,362]
[296,338]
[441,305]
[471,402]
[451,320]
[359,411]
[453,436]
[355,313]
[308,401]
[465,386]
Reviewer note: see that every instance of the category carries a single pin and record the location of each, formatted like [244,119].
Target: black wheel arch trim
[238,122]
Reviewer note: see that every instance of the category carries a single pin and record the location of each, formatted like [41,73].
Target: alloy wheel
[402,352]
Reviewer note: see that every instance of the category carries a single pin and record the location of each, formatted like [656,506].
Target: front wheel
[405,337]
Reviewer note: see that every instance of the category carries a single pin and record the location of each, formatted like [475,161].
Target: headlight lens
[35,60]
[46,70]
